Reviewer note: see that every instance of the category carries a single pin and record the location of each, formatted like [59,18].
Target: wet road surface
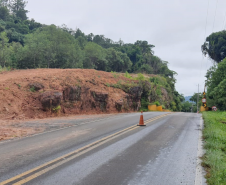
[109,151]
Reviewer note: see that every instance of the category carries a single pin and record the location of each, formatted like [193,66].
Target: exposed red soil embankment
[61,92]
[18,102]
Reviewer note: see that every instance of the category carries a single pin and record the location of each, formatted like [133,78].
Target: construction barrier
[152,107]
[202,109]
[159,108]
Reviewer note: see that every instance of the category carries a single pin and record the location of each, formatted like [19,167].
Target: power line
[207,17]
[215,15]
[205,34]
[224,22]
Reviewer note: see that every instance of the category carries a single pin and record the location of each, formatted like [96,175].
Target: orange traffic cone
[141,123]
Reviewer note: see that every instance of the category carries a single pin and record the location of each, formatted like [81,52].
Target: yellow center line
[74,154]
[65,161]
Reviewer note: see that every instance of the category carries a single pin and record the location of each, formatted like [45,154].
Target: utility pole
[198,99]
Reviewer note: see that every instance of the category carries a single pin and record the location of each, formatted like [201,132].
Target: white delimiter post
[198,99]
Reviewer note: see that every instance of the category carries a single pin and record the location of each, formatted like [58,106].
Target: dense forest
[215,48]
[27,44]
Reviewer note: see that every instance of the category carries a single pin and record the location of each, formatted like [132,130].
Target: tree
[215,46]
[219,95]
[216,85]
[117,61]
[81,42]
[194,97]
[187,106]
[18,8]
[15,54]
[4,12]
[145,47]
[79,33]
[94,56]
[33,25]
[4,49]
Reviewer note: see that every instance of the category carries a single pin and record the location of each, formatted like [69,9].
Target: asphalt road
[110,151]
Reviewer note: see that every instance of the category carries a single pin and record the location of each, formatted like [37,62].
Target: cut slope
[19,102]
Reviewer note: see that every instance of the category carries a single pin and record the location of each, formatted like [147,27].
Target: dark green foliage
[15,23]
[157,103]
[117,61]
[144,104]
[194,97]
[216,86]
[4,13]
[18,9]
[188,107]
[215,46]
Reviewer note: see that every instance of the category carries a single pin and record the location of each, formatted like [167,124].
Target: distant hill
[187,98]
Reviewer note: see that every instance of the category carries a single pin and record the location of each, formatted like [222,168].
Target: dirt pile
[41,93]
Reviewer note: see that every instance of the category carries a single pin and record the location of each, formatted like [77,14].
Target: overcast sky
[175,27]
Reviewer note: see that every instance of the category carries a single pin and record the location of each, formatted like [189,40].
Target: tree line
[27,44]
[215,48]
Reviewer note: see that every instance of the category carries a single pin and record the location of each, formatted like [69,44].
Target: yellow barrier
[159,108]
[152,107]
[202,109]
[166,110]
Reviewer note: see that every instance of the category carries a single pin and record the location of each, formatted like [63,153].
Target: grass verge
[214,160]
[2,69]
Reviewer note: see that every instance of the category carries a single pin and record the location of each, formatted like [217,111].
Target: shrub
[144,103]
[56,109]
[157,103]
[32,89]
[2,69]
[127,75]
[140,77]
[143,109]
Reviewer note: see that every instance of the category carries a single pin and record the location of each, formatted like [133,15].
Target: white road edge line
[199,177]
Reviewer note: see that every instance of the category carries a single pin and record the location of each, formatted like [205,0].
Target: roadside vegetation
[214,132]
[162,91]
[214,135]
[215,48]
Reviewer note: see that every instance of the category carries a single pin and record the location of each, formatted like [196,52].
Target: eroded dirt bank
[38,93]
[44,93]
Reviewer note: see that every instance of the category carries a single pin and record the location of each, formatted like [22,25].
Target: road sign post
[214,108]
[204,100]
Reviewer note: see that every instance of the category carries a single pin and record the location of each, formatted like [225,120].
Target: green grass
[214,135]
[2,69]
[32,89]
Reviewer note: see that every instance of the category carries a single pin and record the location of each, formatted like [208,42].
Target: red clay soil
[18,102]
